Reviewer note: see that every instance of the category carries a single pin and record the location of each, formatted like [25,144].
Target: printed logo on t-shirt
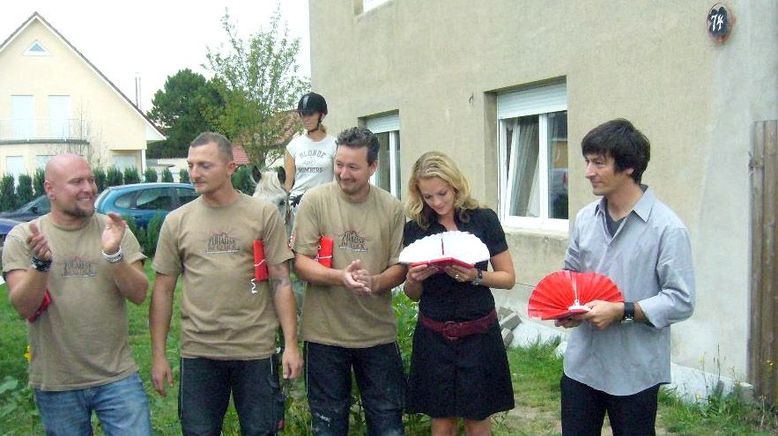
[310,170]
[351,240]
[219,243]
[78,267]
[312,153]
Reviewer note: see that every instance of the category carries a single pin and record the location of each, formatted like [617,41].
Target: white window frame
[389,124]
[368,5]
[538,101]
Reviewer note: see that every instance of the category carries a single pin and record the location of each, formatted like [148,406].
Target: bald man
[87,264]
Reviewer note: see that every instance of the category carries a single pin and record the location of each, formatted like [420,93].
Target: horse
[270,187]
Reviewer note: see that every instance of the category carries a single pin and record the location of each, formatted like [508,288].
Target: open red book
[444,249]
[563,294]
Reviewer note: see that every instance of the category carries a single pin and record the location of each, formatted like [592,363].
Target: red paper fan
[563,294]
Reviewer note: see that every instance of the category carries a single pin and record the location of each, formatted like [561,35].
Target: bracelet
[114,258]
[479,277]
[40,264]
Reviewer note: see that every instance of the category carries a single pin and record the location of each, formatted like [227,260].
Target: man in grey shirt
[619,353]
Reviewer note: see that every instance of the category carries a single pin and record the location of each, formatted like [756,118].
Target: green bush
[183,176]
[7,194]
[150,175]
[241,180]
[131,175]
[167,176]
[100,178]
[24,189]
[113,177]
[152,235]
[37,182]
[140,233]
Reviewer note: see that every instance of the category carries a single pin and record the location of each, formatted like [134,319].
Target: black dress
[468,377]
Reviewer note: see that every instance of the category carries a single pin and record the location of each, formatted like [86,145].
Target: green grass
[535,373]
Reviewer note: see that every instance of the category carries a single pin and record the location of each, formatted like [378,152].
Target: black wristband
[40,264]
[629,312]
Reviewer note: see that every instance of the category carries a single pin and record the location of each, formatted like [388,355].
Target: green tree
[241,180]
[258,79]
[183,176]
[113,177]
[37,182]
[187,105]
[100,177]
[150,175]
[24,189]
[7,194]
[167,176]
[131,175]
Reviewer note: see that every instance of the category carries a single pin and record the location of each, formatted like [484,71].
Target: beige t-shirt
[81,340]
[370,231]
[213,248]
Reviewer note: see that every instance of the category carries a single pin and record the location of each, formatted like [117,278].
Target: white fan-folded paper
[447,248]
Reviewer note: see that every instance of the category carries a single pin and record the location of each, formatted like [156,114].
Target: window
[123,161]
[185,195]
[14,166]
[533,157]
[387,129]
[153,199]
[59,116]
[41,160]
[36,49]
[22,116]
[371,4]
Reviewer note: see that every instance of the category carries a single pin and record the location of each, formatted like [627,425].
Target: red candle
[260,266]
[325,251]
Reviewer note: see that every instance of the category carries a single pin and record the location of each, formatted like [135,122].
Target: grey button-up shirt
[649,258]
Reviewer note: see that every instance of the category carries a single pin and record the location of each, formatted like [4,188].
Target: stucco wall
[440,64]
[112,123]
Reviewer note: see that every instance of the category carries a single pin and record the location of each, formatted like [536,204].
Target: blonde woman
[308,161]
[459,368]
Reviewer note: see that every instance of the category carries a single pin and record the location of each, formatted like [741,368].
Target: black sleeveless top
[445,299]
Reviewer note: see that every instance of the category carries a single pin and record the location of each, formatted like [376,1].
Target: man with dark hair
[619,353]
[87,265]
[228,319]
[347,319]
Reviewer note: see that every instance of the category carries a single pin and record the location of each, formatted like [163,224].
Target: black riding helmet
[310,103]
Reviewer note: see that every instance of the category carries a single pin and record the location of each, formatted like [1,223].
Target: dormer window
[36,49]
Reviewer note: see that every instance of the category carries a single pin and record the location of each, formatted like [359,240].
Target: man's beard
[77,212]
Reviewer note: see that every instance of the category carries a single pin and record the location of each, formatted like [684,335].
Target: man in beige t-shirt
[348,320]
[228,321]
[88,264]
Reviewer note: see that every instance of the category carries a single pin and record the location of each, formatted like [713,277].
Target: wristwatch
[40,264]
[479,277]
[629,313]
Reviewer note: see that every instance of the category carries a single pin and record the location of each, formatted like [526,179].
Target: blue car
[37,207]
[143,201]
[5,227]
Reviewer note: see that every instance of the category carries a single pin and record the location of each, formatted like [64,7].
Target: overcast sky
[154,39]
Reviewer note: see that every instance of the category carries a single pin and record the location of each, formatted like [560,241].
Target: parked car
[5,227]
[38,207]
[143,201]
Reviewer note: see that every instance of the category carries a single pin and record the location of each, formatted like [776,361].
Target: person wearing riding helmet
[309,158]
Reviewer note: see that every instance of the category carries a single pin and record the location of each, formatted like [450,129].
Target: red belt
[454,330]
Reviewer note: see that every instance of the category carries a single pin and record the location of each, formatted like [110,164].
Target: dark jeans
[204,394]
[379,374]
[583,410]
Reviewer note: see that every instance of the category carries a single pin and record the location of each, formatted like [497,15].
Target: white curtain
[525,192]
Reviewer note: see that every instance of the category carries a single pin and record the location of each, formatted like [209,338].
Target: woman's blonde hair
[436,164]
